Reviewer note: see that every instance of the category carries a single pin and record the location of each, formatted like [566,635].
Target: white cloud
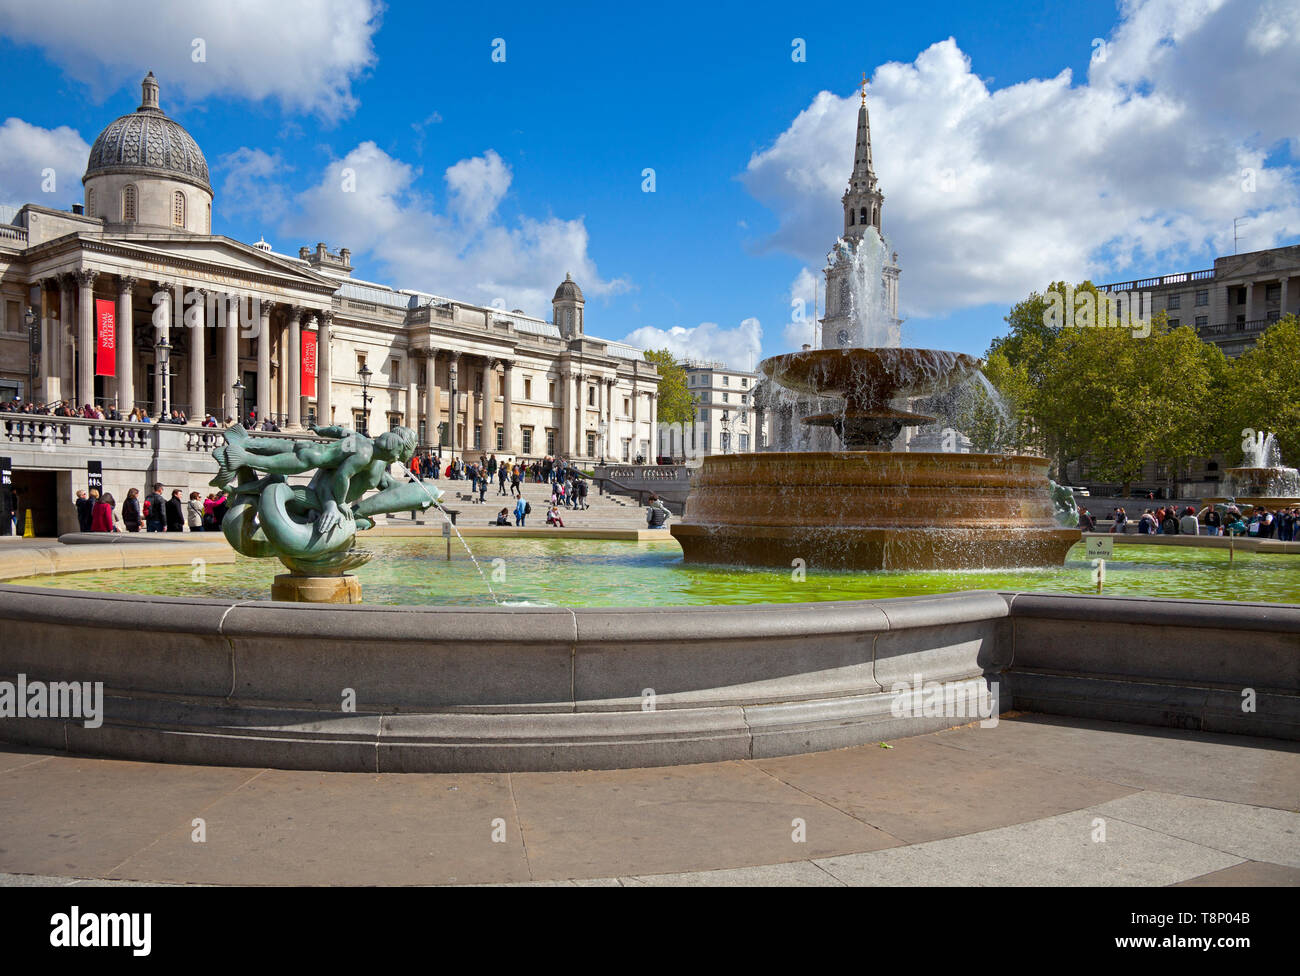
[370,202]
[305,53]
[250,185]
[27,155]
[989,195]
[802,327]
[739,348]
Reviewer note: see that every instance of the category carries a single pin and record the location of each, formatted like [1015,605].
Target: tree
[1262,391]
[674,400]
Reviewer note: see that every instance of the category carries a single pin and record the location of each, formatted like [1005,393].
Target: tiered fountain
[870,506]
[1262,481]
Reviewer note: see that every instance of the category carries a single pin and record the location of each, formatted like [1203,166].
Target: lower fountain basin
[873,510]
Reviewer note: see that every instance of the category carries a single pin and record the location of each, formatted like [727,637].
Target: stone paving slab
[1247,874]
[1254,833]
[1235,768]
[307,828]
[675,819]
[1055,851]
[920,790]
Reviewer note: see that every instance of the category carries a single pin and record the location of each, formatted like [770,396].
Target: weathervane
[864,88]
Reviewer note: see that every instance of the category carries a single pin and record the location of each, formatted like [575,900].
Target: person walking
[175,512]
[194,512]
[131,510]
[155,514]
[103,518]
[522,510]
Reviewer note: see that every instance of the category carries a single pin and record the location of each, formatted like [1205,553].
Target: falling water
[871,324]
[469,552]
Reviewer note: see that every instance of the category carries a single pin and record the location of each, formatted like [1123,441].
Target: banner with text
[106,347]
[309,364]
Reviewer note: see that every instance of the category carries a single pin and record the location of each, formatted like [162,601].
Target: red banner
[309,364]
[106,347]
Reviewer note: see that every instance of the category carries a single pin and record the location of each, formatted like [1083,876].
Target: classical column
[432,408]
[86,335]
[125,339]
[453,360]
[507,425]
[324,370]
[64,341]
[487,443]
[292,365]
[163,298]
[654,417]
[281,371]
[263,359]
[1250,301]
[566,412]
[197,313]
[1282,304]
[230,316]
[411,418]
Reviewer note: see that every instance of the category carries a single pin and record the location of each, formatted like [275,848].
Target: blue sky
[750,148]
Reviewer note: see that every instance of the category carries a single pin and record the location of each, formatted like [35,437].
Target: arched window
[851,216]
[873,214]
[863,215]
[209,227]
[128,203]
[178,209]
[90,203]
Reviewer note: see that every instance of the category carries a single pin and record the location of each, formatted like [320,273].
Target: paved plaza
[1037,800]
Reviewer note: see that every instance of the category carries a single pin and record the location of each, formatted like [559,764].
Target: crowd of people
[137,415]
[1228,520]
[155,512]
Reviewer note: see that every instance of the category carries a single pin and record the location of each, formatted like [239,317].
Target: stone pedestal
[316,589]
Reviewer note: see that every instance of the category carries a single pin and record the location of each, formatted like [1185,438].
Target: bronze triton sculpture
[311,527]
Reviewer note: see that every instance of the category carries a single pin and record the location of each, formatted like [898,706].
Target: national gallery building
[130,300]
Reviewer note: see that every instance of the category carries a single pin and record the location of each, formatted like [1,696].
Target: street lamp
[238,387]
[364,373]
[164,349]
[33,352]
[604,447]
[726,432]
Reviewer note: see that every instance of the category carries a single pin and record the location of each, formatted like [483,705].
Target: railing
[1169,279]
[8,232]
[645,472]
[39,429]
[1235,328]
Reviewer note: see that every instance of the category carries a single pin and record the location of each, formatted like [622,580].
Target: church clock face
[842,337]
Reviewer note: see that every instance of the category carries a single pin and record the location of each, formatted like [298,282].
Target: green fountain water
[582,573]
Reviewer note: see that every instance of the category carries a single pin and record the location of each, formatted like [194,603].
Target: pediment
[224,256]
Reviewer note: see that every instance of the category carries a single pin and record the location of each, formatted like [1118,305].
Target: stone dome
[148,142]
[568,290]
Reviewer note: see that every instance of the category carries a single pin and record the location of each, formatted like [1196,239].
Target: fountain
[870,505]
[1262,481]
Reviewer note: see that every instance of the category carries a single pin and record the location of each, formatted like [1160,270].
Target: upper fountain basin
[869,378]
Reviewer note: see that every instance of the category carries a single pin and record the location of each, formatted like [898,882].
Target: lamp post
[163,351]
[33,351]
[603,426]
[364,373]
[726,432]
[238,387]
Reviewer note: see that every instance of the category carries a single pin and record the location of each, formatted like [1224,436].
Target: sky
[685,162]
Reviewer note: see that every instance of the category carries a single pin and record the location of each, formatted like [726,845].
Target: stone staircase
[602,512]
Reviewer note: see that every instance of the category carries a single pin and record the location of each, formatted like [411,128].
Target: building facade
[725,421]
[205,324]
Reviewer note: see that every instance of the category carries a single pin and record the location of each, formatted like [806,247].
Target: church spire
[862,200]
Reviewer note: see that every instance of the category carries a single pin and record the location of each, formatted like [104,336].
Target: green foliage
[674,400]
[1261,390]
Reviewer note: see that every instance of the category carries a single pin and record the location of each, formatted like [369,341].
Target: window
[744,443]
[591,444]
[1241,296]
[395,368]
[726,381]
[726,398]
[591,396]
[501,438]
[129,203]
[478,437]
[478,383]
[394,421]
[1202,296]
[744,399]
[1174,301]
[178,209]
[528,387]
[361,361]
[527,435]
[744,381]
[1273,293]
[627,407]
[1202,321]
[550,392]
[627,450]
[207,224]
[13,317]
[1274,315]
[550,440]
[90,203]
[1173,323]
